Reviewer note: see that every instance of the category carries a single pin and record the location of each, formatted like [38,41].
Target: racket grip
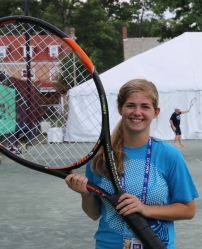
[143,231]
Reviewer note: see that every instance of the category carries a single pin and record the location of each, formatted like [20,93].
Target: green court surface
[38,211]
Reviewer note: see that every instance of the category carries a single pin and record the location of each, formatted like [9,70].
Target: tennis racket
[44,74]
[192,103]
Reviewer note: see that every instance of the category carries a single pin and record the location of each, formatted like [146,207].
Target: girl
[155,179]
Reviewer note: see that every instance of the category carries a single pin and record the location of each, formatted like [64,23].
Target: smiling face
[137,113]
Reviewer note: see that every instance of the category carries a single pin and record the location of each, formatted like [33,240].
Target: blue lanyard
[146,173]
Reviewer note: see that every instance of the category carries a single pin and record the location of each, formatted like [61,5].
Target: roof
[173,65]
[135,46]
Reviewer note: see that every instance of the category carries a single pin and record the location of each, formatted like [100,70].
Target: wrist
[145,211]
[86,194]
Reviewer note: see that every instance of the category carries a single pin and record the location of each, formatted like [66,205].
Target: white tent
[174,67]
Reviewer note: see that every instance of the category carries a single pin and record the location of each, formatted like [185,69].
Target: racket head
[192,102]
[48,80]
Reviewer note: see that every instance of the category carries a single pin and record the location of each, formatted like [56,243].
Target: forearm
[184,111]
[175,211]
[91,206]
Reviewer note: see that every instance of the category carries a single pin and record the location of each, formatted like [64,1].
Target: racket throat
[115,197]
[111,198]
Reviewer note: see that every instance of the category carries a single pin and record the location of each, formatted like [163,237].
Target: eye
[146,107]
[130,106]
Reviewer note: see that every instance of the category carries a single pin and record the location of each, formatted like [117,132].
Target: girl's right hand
[77,183]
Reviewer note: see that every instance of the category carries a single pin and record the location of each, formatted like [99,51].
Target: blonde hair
[136,85]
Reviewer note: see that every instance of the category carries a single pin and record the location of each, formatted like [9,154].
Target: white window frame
[53,74]
[53,50]
[30,51]
[32,73]
[3,51]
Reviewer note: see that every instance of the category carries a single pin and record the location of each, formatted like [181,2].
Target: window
[54,72]
[30,51]
[53,51]
[24,73]
[2,51]
[2,76]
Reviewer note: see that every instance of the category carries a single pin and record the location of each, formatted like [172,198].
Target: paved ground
[38,211]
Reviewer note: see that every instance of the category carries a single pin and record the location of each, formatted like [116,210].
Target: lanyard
[146,173]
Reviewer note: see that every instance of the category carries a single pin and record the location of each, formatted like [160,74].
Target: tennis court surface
[38,211]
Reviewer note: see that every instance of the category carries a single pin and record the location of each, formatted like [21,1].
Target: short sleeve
[91,176]
[171,117]
[181,184]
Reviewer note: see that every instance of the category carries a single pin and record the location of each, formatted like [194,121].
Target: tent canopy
[175,68]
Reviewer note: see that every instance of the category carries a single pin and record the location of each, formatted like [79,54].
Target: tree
[36,8]
[97,35]
[137,14]
[11,7]
[61,12]
[187,17]
[143,29]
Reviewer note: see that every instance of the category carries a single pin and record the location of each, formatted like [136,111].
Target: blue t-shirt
[169,182]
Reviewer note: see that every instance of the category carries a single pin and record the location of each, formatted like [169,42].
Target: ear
[119,110]
[156,113]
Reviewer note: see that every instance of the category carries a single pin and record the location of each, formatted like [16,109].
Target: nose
[137,110]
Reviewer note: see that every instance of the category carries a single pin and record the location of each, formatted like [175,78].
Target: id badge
[132,243]
[130,240]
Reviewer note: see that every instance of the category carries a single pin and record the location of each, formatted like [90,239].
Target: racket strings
[58,91]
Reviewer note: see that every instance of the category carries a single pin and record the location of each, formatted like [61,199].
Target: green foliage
[142,30]
[97,36]
[61,12]
[187,17]
[11,7]
[51,16]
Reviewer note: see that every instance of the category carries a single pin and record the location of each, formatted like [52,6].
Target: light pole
[72,35]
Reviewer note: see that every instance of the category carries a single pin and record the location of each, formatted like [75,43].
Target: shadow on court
[38,211]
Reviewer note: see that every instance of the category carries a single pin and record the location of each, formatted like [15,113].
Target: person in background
[154,176]
[175,125]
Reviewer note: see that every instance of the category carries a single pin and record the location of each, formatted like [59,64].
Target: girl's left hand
[129,204]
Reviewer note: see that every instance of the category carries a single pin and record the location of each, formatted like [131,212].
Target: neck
[136,140]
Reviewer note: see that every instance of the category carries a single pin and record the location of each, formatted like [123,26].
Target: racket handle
[143,231]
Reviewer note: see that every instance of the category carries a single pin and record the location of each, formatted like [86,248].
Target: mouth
[136,121]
